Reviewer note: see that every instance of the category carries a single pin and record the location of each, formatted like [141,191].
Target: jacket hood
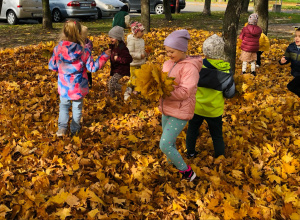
[195,60]
[220,64]
[69,51]
[254,30]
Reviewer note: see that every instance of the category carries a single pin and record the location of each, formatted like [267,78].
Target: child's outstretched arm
[283,60]
[92,65]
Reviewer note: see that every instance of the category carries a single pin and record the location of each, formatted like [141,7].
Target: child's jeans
[171,129]
[215,129]
[63,118]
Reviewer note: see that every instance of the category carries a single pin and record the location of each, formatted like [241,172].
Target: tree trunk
[1,2]
[261,7]
[230,27]
[245,6]
[47,18]
[145,14]
[177,7]
[167,10]
[206,9]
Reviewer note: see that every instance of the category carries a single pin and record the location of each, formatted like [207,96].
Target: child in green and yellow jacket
[215,83]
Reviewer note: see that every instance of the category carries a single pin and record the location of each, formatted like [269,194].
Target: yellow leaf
[229,211]
[290,197]
[275,178]
[92,214]
[63,213]
[59,198]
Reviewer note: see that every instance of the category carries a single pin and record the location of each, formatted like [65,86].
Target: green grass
[25,34]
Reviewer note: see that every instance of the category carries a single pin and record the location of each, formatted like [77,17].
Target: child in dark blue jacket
[292,55]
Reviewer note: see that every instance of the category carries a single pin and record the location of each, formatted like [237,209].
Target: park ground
[281,25]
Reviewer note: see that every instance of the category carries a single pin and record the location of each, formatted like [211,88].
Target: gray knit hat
[117,32]
[213,47]
[178,40]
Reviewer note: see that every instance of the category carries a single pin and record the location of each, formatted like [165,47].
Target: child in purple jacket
[71,59]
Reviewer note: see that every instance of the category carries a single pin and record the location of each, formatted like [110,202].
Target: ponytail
[72,32]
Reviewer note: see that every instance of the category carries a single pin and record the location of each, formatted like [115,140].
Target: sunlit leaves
[115,169]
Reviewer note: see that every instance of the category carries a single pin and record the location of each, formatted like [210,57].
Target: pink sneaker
[188,174]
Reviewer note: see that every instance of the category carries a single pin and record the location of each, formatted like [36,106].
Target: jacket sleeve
[125,57]
[53,62]
[229,91]
[242,34]
[186,86]
[132,49]
[287,55]
[92,65]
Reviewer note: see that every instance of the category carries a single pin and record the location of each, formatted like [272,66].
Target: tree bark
[261,7]
[245,6]
[206,9]
[47,18]
[167,10]
[230,27]
[145,14]
[177,7]
[1,2]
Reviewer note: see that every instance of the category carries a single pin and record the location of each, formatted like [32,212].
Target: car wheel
[159,9]
[56,14]
[99,13]
[11,18]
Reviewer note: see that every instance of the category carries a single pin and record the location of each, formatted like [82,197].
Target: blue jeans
[63,118]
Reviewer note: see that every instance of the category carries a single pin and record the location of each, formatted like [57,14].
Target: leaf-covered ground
[114,169]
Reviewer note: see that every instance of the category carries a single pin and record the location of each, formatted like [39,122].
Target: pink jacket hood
[181,103]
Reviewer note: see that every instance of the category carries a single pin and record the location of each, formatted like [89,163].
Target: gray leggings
[113,84]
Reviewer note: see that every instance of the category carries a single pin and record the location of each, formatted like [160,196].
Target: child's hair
[72,31]
[298,29]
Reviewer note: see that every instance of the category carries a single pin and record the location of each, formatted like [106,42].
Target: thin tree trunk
[245,6]
[261,7]
[167,10]
[47,18]
[177,7]
[206,9]
[230,27]
[1,2]
[145,14]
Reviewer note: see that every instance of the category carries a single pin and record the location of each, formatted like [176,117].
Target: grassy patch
[25,34]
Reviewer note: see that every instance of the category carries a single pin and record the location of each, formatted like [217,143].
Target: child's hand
[283,60]
[108,52]
[116,56]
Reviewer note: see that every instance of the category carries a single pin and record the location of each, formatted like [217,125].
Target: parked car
[108,8]
[156,6]
[61,9]
[13,10]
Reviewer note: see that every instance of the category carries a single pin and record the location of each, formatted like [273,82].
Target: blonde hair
[84,31]
[72,31]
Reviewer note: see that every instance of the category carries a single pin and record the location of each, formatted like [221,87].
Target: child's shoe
[253,73]
[61,132]
[244,72]
[191,155]
[188,174]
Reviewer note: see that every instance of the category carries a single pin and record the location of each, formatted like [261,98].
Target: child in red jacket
[250,43]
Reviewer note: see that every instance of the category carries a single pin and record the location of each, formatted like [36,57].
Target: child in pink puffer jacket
[178,108]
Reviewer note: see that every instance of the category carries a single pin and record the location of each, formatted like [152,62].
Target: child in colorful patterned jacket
[71,59]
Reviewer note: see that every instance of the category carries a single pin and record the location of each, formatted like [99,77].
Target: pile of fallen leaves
[114,169]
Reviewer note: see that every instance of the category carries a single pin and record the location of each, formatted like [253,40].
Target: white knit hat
[213,47]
